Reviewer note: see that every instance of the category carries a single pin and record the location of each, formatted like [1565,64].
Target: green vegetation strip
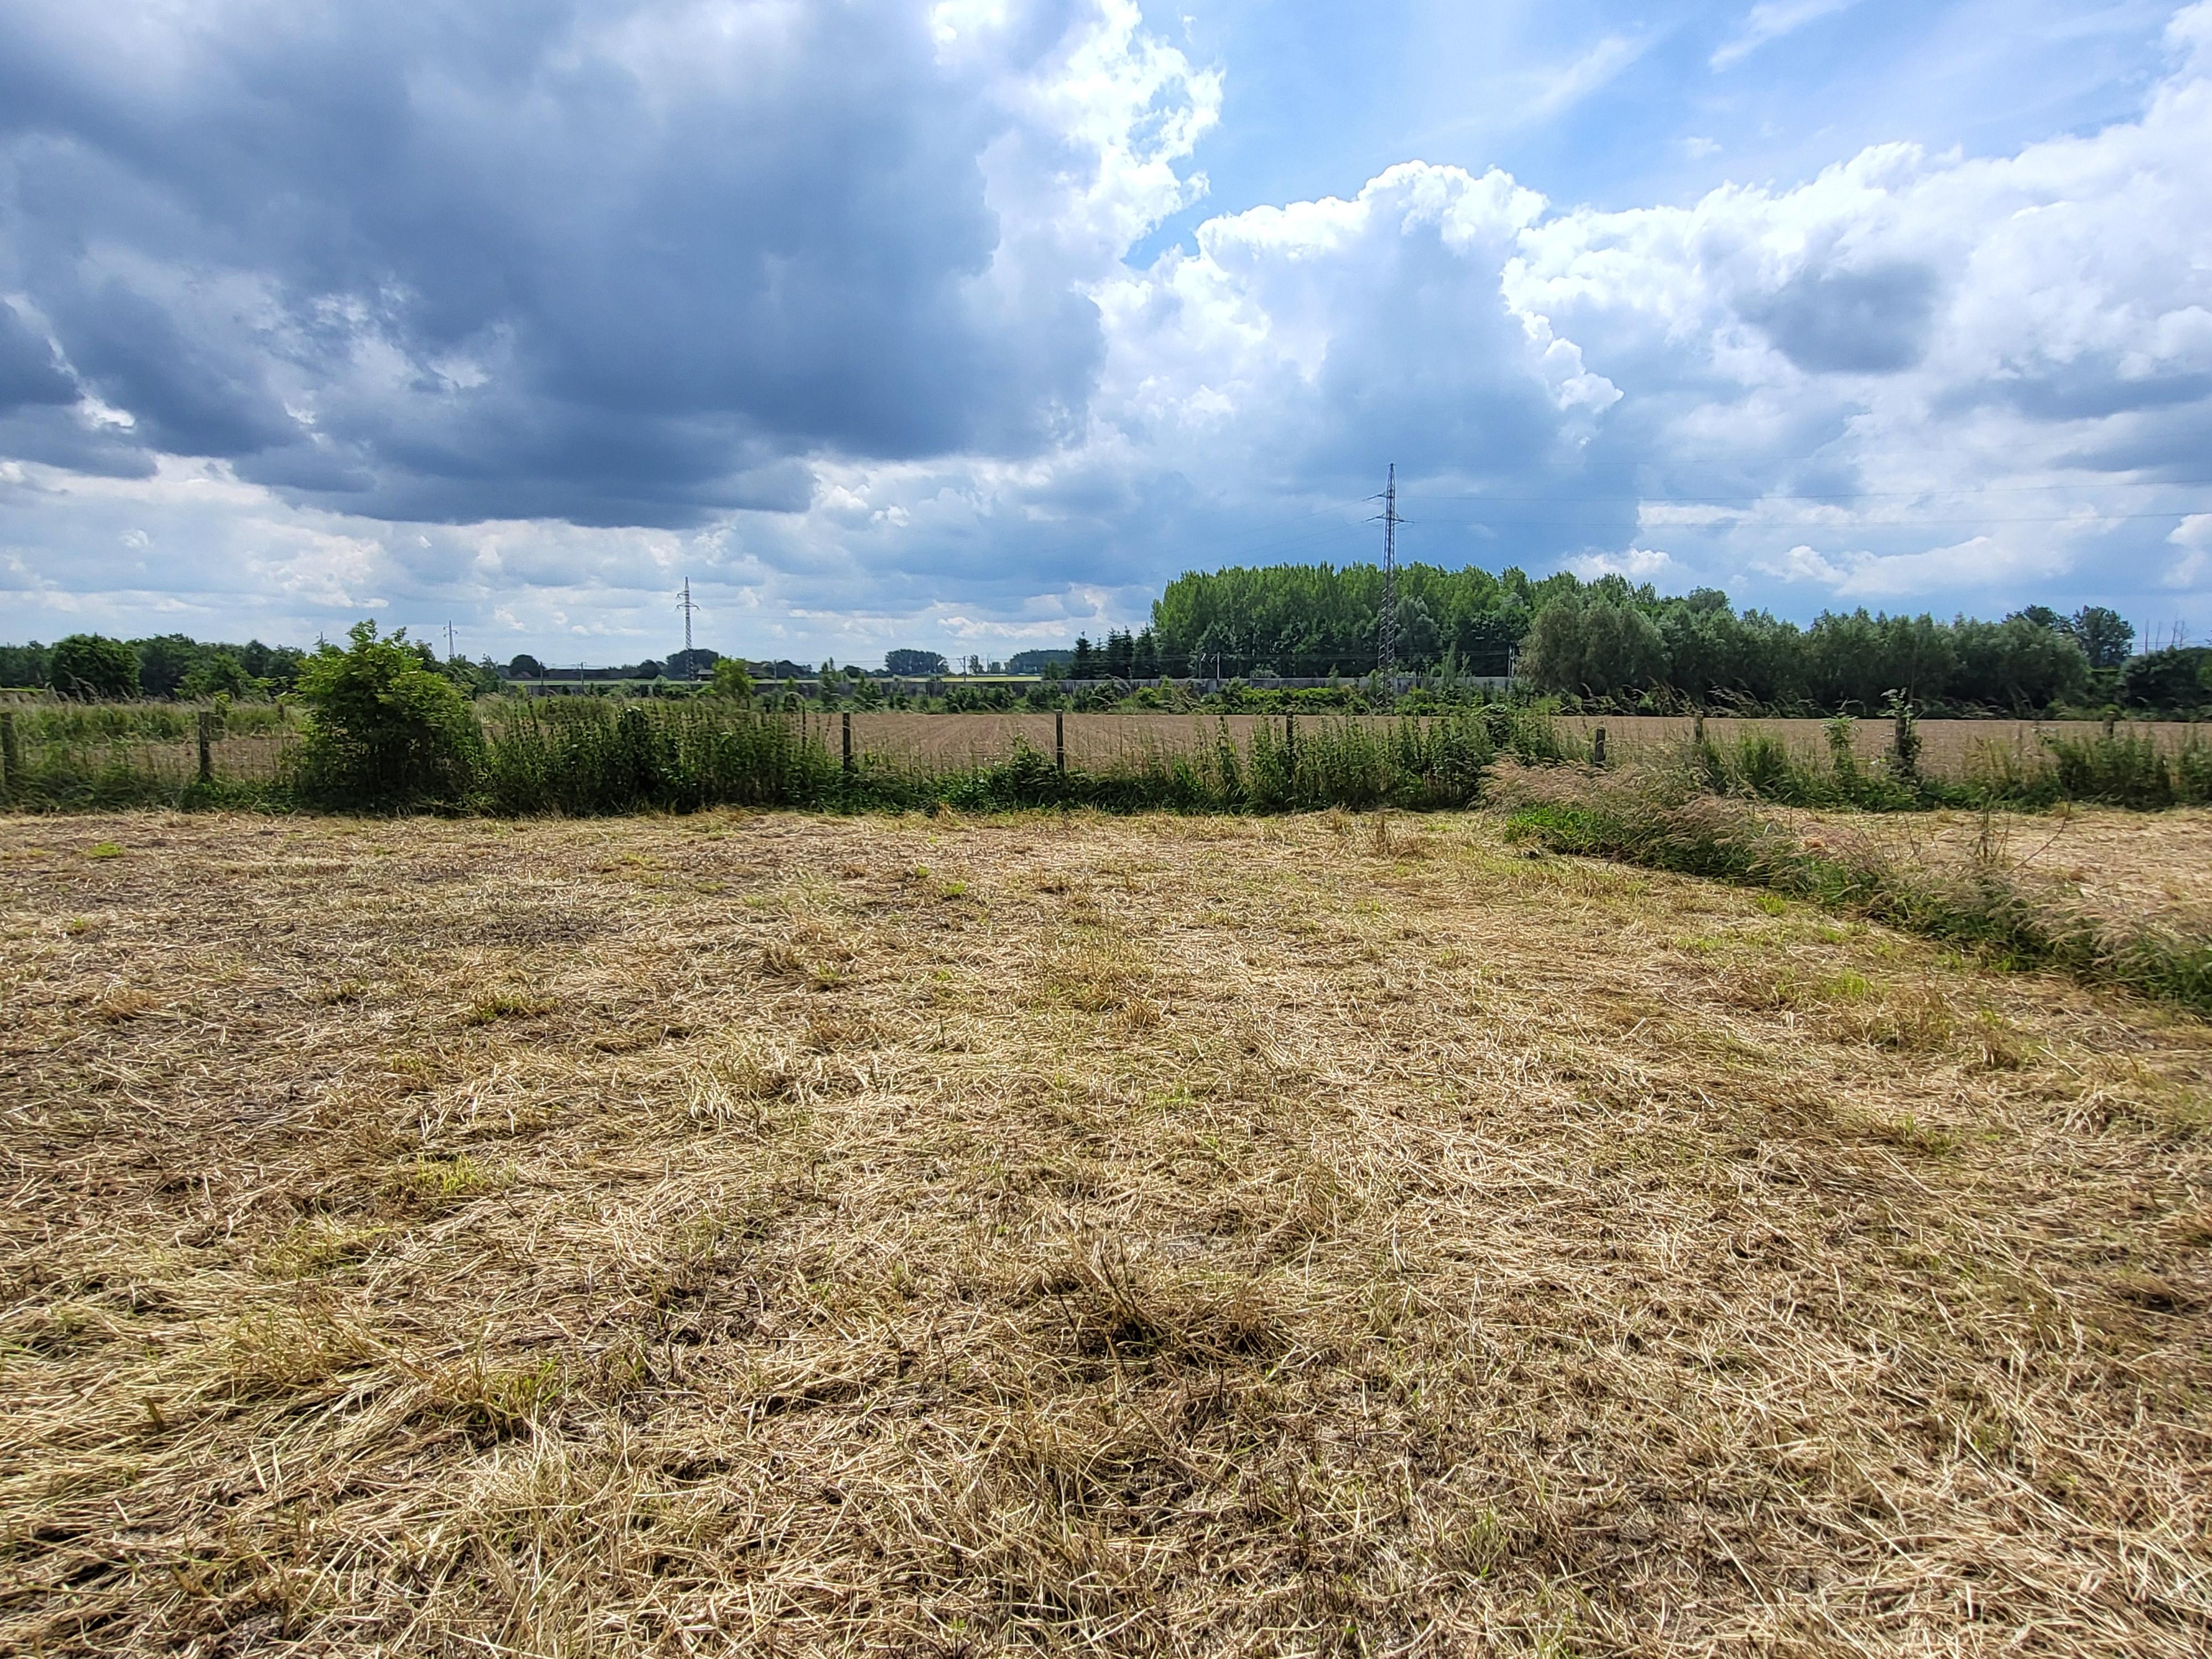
[1660,825]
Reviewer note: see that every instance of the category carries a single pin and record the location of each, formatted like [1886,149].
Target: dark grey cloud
[599,260]
[1871,321]
[2096,385]
[28,373]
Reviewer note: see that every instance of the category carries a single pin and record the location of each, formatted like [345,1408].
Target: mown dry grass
[784,1235]
[2114,864]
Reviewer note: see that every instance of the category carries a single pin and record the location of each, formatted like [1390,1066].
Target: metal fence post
[1059,740]
[1597,747]
[845,720]
[207,745]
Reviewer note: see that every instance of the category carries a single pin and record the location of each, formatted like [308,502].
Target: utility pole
[449,641]
[691,662]
[1386,644]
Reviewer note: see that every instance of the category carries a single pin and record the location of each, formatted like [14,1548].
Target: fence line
[199,747]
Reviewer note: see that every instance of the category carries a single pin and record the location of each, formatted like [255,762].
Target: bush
[730,680]
[2128,769]
[2175,678]
[384,730]
[88,666]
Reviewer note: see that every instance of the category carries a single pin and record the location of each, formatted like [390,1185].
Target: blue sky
[967,325]
[1617,106]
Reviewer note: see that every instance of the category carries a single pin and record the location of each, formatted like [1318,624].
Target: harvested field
[1951,750]
[2117,865]
[1313,1234]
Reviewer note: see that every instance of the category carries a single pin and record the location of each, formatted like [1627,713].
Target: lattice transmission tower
[691,662]
[1386,642]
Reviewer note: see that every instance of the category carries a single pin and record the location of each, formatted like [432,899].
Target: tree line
[1609,641]
[1606,642]
[96,666]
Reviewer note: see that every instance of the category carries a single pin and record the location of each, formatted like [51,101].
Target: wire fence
[596,755]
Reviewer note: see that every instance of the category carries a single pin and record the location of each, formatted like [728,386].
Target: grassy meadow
[1332,1233]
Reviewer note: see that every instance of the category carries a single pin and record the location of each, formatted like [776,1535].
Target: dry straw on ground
[2114,864]
[783,1235]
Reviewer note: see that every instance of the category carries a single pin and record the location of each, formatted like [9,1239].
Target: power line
[1827,524]
[1716,496]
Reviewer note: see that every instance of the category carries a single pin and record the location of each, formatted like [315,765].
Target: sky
[967,325]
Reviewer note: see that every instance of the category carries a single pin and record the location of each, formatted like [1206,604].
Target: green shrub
[383,731]
[2128,769]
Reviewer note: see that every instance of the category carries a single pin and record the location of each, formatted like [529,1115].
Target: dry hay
[1951,749]
[2126,867]
[775,1234]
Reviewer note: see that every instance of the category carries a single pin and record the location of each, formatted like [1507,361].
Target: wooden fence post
[846,719]
[1059,741]
[12,754]
[1697,729]
[1290,740]
[1597,747]
[207,745]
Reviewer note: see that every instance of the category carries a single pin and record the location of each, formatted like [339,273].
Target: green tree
[526,667]
[276,666]
[26,665]
[92,665]
[219,673]
[730,680]
[1594,648]
[164,663]
[2015,664]
[2106,637]
[2171,680]
[384,730]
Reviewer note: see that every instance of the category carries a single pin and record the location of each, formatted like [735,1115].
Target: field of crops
[1950,749]
[749,1233]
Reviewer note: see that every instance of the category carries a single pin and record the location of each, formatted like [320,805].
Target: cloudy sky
[967,324]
